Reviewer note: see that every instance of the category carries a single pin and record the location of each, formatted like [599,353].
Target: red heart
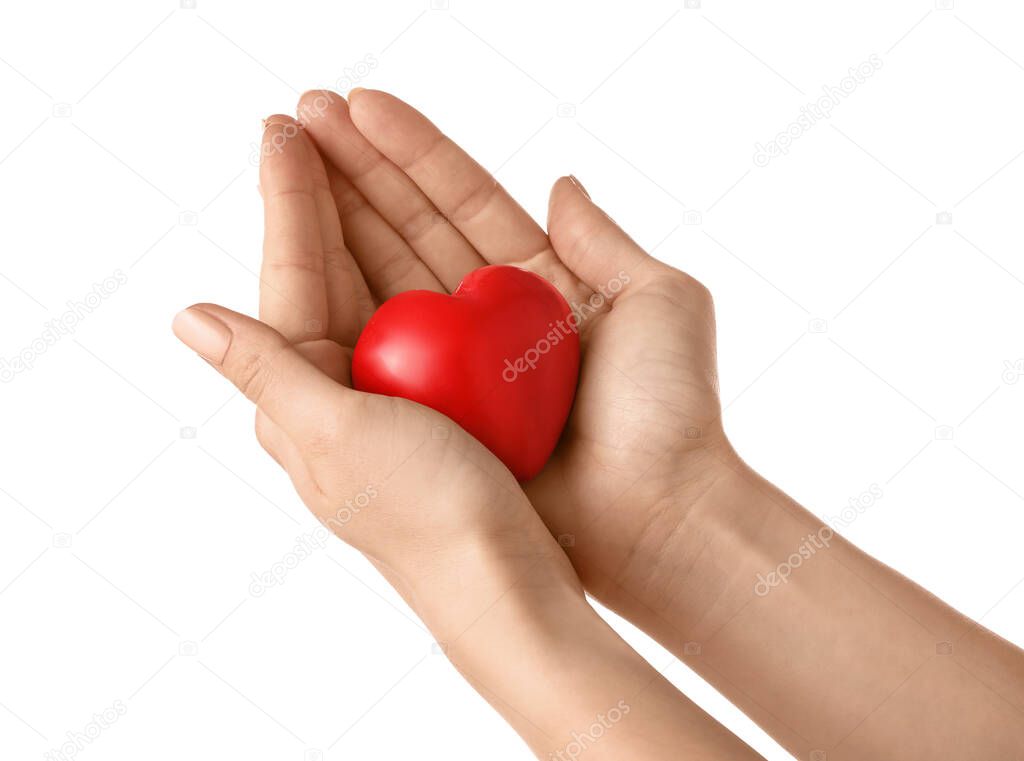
[500,357]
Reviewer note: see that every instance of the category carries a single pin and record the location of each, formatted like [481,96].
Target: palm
[647,402]
[646,385]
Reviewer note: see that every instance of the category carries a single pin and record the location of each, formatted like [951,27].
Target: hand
[670,528]
[646,421]
[437,513]
[396,480]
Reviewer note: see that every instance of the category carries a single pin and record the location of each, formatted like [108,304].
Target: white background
[852,327]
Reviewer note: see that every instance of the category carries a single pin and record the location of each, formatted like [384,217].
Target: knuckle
[417,223]
[467,208]
[684,284]
[395,268]
[681,291]
[335,258]
[583,240]
[698,289]
[439,142]
[326,441]
[349,202]
[254,375]
[323,442]
[368,164]
[300,260]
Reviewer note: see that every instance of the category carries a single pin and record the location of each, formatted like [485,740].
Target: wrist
[700,543]
[507,561]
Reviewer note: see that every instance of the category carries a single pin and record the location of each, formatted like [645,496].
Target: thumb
[261,363]
[587,240]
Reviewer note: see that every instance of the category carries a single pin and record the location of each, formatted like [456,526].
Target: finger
[591,244]
[386,261]
[265,367]
[332,360]
[441,249]
[293,294]
[471,199]
[349,305]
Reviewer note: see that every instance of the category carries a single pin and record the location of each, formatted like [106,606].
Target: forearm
[822,645]
[521,632]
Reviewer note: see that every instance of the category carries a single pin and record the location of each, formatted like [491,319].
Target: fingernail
[354,90]
[203,333]
[579,186]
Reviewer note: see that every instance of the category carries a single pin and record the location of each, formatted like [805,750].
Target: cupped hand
[396,480]
[420,213]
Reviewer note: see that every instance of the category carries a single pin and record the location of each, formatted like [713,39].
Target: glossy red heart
[500,357]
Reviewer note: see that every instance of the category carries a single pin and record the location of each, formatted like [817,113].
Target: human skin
[668,525]
[440,516]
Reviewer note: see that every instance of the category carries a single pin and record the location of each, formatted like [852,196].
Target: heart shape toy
[499,356]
